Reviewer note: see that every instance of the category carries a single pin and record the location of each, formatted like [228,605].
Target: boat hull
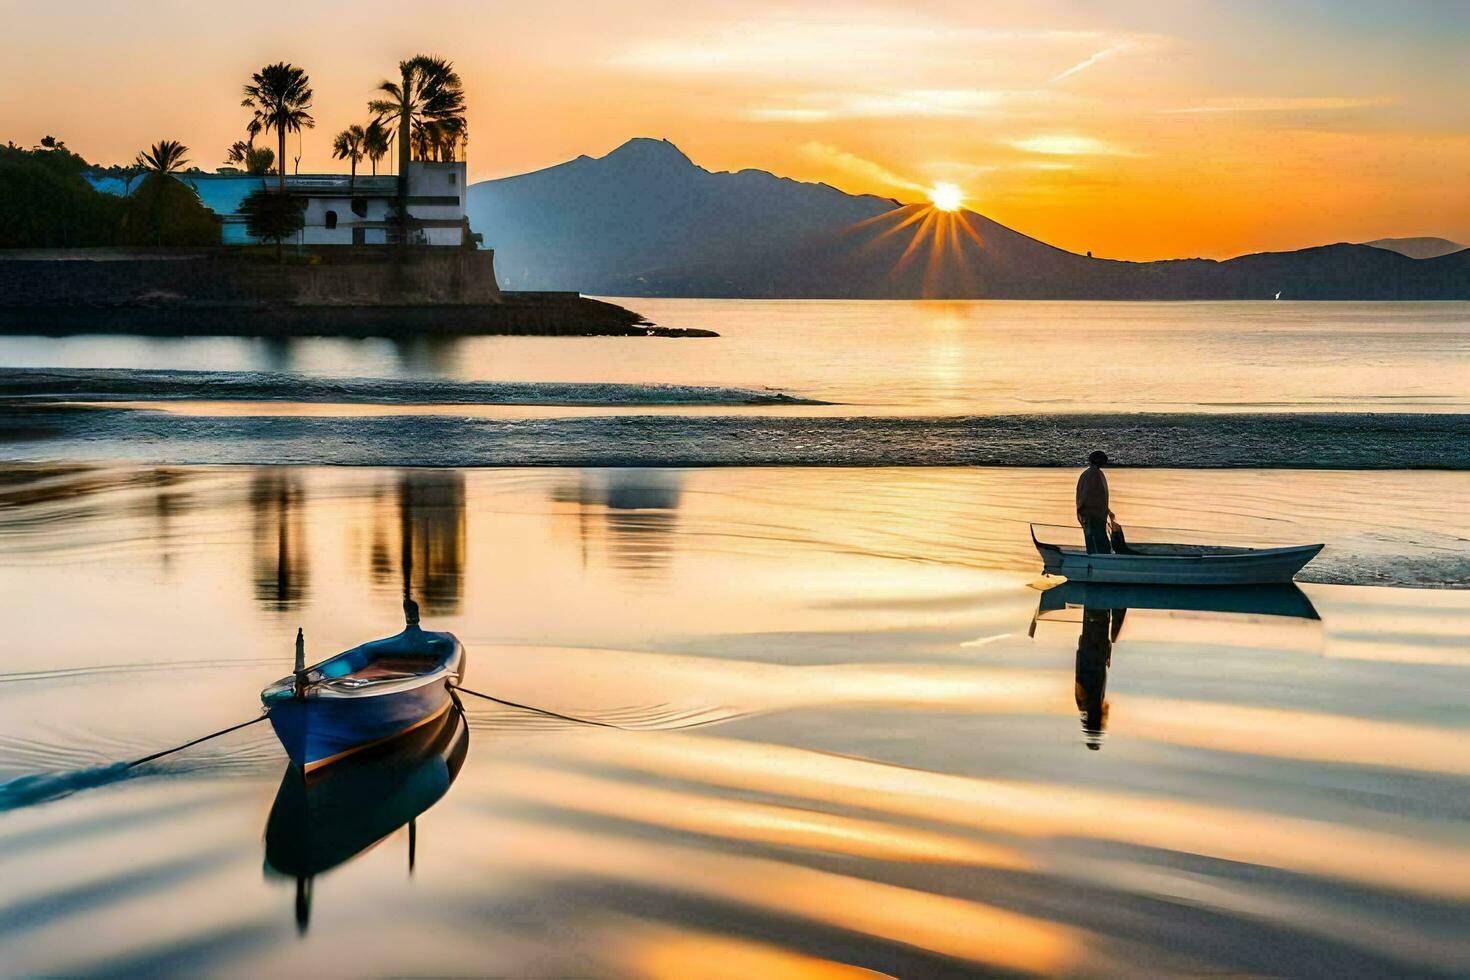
[364,696]
[319,731]
[1264,566]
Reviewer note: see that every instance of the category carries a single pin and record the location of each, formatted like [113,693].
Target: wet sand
[839,748]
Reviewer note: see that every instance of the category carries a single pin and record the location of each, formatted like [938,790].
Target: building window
[359,207]
[331,220]
[452,176]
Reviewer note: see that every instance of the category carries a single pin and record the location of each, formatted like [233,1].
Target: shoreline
[548,315]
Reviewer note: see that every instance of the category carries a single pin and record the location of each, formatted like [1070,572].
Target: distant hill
[646,221]
[1417,248]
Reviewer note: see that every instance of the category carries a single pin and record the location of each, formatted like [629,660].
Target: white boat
[1173,564]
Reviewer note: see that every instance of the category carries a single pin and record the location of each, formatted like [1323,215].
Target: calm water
[922,358]
[852,736]
[839,727]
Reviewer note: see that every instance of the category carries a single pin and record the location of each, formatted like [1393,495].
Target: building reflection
[418,539]
[434,355]
[281,568]
[634,512]
[169,502]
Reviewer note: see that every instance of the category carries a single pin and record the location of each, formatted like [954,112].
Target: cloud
[1094,59]
[914,103]
[1062,144]
[857,166]
[846,46]
[1330,103]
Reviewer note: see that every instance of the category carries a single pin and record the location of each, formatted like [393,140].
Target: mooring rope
[452,689]
[539,711]
[180,748]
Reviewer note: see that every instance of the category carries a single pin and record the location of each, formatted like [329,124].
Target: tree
[46,201]
[375,142]
[164,211]
[280,96]
[348,146]
[165,157]
[428,91]
[273,217]
[254,160]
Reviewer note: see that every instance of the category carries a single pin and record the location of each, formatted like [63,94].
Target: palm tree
[165,157]
[375,142]
[348,146]
[280,95]
[429,91]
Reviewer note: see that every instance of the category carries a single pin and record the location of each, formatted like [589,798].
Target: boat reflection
[323,820]
[1105,606]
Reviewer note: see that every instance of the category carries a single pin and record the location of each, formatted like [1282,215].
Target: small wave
[43,787]
[124,384]
[1319,441]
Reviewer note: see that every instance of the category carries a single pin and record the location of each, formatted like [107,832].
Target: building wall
[436,197]
[437,194]
[316,231]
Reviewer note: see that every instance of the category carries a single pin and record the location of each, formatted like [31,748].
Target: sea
[781,687]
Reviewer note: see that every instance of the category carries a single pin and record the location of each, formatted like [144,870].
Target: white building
[342,211]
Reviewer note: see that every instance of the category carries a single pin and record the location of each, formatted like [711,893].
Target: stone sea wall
[349,292]
[223,277]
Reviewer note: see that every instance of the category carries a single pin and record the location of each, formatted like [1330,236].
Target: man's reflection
[1100,628]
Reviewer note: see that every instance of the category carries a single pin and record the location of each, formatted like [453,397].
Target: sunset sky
[1133,129]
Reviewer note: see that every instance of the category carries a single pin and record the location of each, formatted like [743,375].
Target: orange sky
[1134,129]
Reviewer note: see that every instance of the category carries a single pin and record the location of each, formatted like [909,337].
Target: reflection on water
[632,512]
[838,747]
[326,819]
[418,537]
[1100,628]
[281,562]
[918,357]
[1105,606]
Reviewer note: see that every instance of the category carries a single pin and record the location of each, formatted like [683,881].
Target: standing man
[1092,504]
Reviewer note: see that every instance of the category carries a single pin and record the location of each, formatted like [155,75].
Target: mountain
[645,220]
[599,225]
[1417,248]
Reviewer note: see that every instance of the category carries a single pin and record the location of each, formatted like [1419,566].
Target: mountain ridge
[645,220]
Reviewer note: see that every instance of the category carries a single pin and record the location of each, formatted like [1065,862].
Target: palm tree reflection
[280,563]
[422,524]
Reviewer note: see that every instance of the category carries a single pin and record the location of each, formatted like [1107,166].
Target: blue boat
[364,696]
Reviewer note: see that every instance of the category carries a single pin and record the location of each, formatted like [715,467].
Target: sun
[946,197]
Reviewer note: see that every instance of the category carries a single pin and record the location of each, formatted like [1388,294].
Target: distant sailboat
[1278,294]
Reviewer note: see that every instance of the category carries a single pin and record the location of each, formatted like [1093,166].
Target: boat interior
[413,653]
[1165,550]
